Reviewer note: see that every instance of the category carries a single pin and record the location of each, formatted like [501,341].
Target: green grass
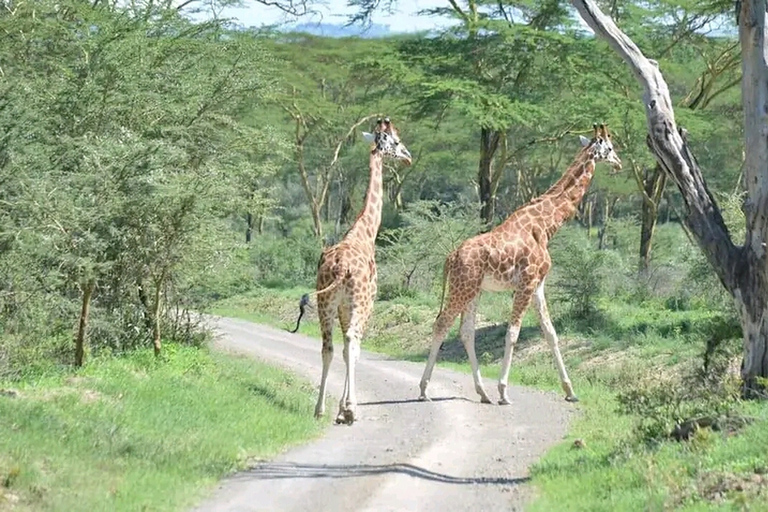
[137,433]
[616,470]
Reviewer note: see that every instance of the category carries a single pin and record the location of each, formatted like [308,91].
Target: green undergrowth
[140,433]
[603,466]
[625,351]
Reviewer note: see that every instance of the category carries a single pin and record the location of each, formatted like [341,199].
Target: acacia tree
[743,270]
[489,66]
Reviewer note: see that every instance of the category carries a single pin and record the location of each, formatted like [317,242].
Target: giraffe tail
[339,275]
[304,302]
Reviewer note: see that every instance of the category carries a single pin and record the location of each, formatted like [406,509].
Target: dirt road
[451,454]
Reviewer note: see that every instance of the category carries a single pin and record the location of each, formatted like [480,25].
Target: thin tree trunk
[156,314]
[489,143]
[248,227]
[653,185]
[82,327]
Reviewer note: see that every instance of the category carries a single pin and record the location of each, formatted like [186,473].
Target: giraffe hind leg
[345,315]
[443,322]
[325,314]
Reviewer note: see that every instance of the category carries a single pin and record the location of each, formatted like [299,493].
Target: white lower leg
[467,333]
[348,402]
[327,355]
[429,367]
[438,335]
[513,331]
[551,336]
[354,352]
[549,333]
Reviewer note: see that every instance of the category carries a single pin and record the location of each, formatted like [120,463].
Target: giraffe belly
[492,284]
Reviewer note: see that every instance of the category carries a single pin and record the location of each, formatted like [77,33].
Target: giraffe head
[387,141]
[600,147]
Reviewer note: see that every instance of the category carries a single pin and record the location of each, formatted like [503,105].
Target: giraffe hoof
[345,416]
[572,399]
[485,400]
[505,401]
[424,398]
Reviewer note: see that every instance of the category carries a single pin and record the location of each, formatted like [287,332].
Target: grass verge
[138,433]
[614,468]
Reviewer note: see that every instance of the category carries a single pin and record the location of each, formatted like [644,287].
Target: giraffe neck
[559,203]
[368,221]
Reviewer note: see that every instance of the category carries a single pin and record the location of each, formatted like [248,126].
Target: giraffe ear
[369,137]
[584,141]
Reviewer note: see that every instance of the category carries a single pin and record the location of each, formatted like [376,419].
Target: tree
[120,144]
[489,67]
[743,270]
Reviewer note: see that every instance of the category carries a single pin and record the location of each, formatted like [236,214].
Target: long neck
[559,203]
[368,221]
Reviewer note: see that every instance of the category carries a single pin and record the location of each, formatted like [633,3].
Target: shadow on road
[281,470]
[416,400]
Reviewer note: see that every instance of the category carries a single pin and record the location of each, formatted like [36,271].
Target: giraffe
[514,256]
[346,273]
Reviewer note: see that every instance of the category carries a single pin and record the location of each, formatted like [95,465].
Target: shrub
[583,273]
[285,262]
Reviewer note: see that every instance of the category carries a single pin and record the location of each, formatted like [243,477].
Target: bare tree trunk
[751,283]
[82,327]
[743,271]
[489,143]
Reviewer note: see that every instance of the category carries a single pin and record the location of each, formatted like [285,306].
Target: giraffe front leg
[551,335]
[520,304]
[467,334]
[326,326]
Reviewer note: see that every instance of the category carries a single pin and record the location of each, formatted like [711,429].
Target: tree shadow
[283,470]
[273,397]
[415,400]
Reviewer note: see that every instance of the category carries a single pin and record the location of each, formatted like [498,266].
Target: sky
[336,12]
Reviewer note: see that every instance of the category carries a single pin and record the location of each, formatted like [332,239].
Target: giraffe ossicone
[514,256]
[346,273]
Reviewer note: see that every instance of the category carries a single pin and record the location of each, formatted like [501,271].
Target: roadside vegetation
[142,433]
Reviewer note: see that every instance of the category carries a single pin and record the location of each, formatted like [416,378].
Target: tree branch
[348,135]
[291,7]
[668,144]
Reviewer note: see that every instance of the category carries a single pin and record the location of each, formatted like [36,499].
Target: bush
[707,391]
[583,273]
[411,256]
[285,262]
